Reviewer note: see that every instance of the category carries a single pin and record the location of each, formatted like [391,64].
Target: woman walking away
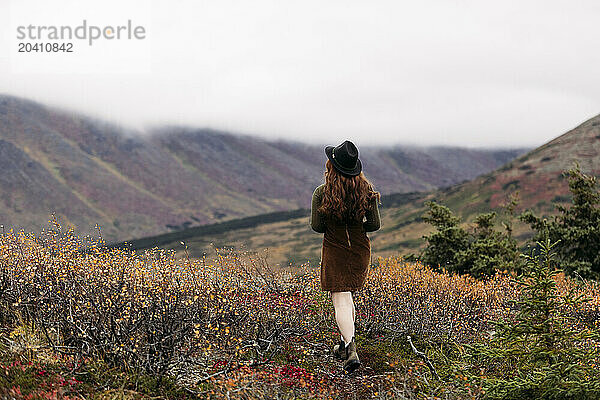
[344,208]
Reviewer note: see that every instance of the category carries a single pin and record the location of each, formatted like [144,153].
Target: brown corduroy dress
[346,251]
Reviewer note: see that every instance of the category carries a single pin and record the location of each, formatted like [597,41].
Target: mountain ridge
[537,175]
[89,172]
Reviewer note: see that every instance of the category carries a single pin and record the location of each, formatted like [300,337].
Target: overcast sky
[470,73]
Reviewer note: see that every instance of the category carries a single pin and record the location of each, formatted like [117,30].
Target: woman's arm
[373,221]
[317,222]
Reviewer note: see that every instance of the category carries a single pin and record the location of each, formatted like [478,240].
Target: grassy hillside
[135,184]
[536,176]
[281,237]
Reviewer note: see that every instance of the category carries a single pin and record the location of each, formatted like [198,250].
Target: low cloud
[466,73]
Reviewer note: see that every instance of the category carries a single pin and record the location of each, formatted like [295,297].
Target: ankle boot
[339,350]
[351,361]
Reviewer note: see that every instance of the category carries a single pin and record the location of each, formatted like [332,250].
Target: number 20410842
[26,47]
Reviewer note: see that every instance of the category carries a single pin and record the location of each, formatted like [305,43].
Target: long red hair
[346,197]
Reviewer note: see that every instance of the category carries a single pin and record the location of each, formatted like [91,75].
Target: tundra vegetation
[80,320]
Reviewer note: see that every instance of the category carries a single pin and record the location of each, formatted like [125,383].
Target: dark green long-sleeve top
[317,219]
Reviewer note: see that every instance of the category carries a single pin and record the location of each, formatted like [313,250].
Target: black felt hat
[344,158]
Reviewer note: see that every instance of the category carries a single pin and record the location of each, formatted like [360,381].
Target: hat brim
[344,171]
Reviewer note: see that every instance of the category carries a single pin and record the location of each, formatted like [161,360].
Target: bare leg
[344,314]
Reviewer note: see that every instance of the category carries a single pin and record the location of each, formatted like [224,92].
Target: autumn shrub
[151,311]
[238,328]
[411,298]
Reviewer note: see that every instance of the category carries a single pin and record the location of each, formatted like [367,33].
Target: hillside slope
[135,184]
[537,176]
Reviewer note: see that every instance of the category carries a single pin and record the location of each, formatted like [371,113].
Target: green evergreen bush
[479,253]
[577,227]
[544,353]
